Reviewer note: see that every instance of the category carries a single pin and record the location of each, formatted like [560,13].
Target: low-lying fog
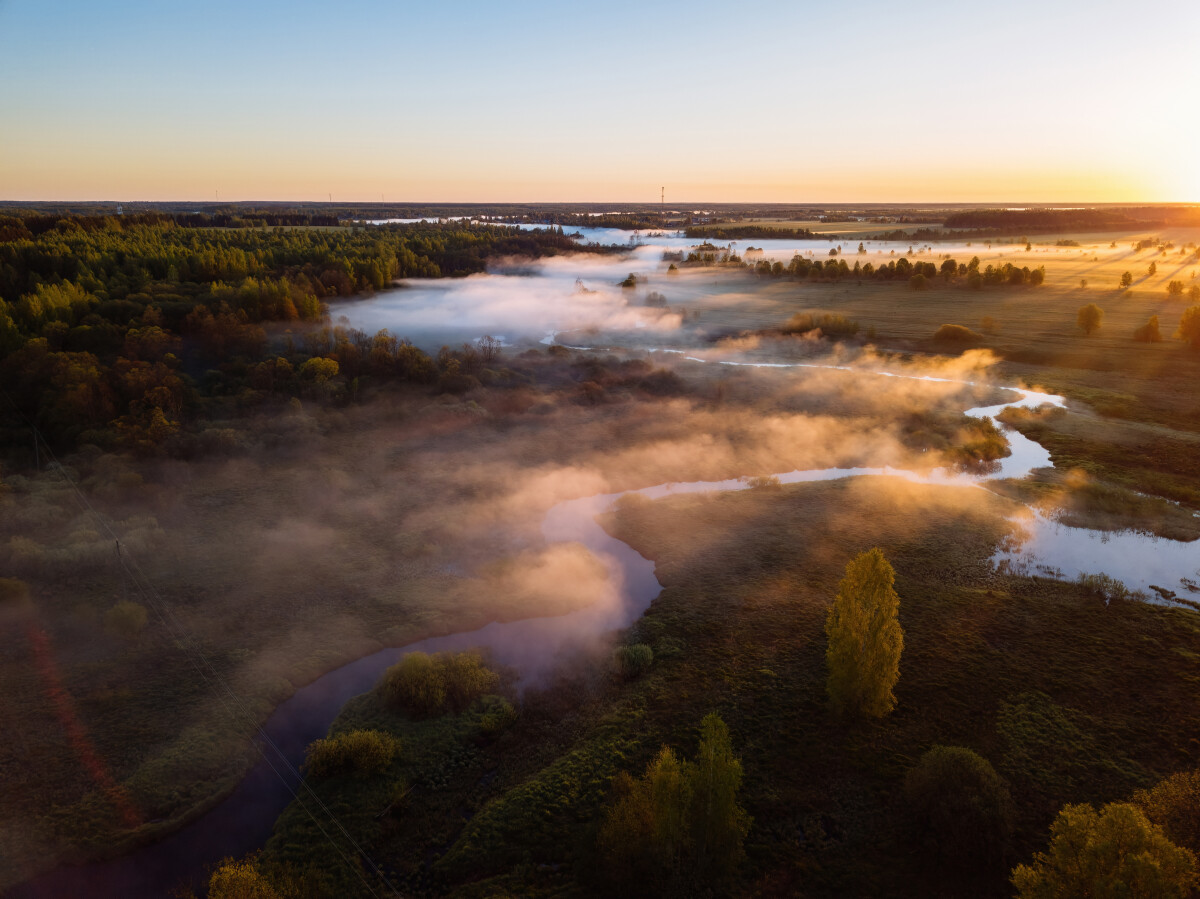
[524,301]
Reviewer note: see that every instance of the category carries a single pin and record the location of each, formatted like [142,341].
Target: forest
[113,329]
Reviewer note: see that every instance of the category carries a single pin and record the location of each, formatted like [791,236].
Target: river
[243,821]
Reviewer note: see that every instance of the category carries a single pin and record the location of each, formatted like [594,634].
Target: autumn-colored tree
[1089,317]
[1174,805]
[1148,333]
[1189,326]
[239,880]
[678,828]
[1113,852]
[864,638]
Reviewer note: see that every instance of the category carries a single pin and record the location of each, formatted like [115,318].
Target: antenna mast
[662,199]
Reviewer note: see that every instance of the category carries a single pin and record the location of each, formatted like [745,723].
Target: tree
[678,828]
[719,824]
[1174,805]
[1116,852]
[634,660]
[917,282]
[959,805]
[1175,289]
[1189,326]
[1194,293]
[239,880]
[425,685]
[1127,279]
[1153,269]
[864,638]
[1148,333]
[1089,317]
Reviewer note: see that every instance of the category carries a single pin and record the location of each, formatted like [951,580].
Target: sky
[1054,101]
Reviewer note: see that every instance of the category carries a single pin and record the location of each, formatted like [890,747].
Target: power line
[208,672]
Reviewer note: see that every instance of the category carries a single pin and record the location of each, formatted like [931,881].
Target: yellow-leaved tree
[864,638]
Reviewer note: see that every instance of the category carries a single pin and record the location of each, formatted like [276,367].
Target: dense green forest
[116,329]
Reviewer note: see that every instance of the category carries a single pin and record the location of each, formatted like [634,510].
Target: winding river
[243,821]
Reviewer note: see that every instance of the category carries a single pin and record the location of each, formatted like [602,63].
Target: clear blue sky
[1039,101]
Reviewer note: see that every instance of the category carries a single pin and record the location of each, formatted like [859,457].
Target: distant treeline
[1034,221]
[754,232]
[918,274]
[116,332]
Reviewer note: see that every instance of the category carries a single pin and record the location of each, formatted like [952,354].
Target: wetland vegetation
[205,466]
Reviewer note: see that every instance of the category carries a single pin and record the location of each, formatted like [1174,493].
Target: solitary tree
[1148,333]
[864,638]
[959,805]
[1153,269]
[1127,279]
[1114,852]
[1089,317]
[1189,326]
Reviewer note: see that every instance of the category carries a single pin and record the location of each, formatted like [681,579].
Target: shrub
[425,685]
[635,660]
[415,685]
[499,718]
[1089,317]
[126,619]
[1175,289]
[918,282]
[956,334]
[959,805]
[829,324]
[363,752]
[1107,588]
[465,677]
[239,880]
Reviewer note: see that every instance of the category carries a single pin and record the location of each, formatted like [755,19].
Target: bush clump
[362,752]
[959,805]
[426,685]
[1108,588]
[497,719]
[634,660]
[829,324]
[956,334]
